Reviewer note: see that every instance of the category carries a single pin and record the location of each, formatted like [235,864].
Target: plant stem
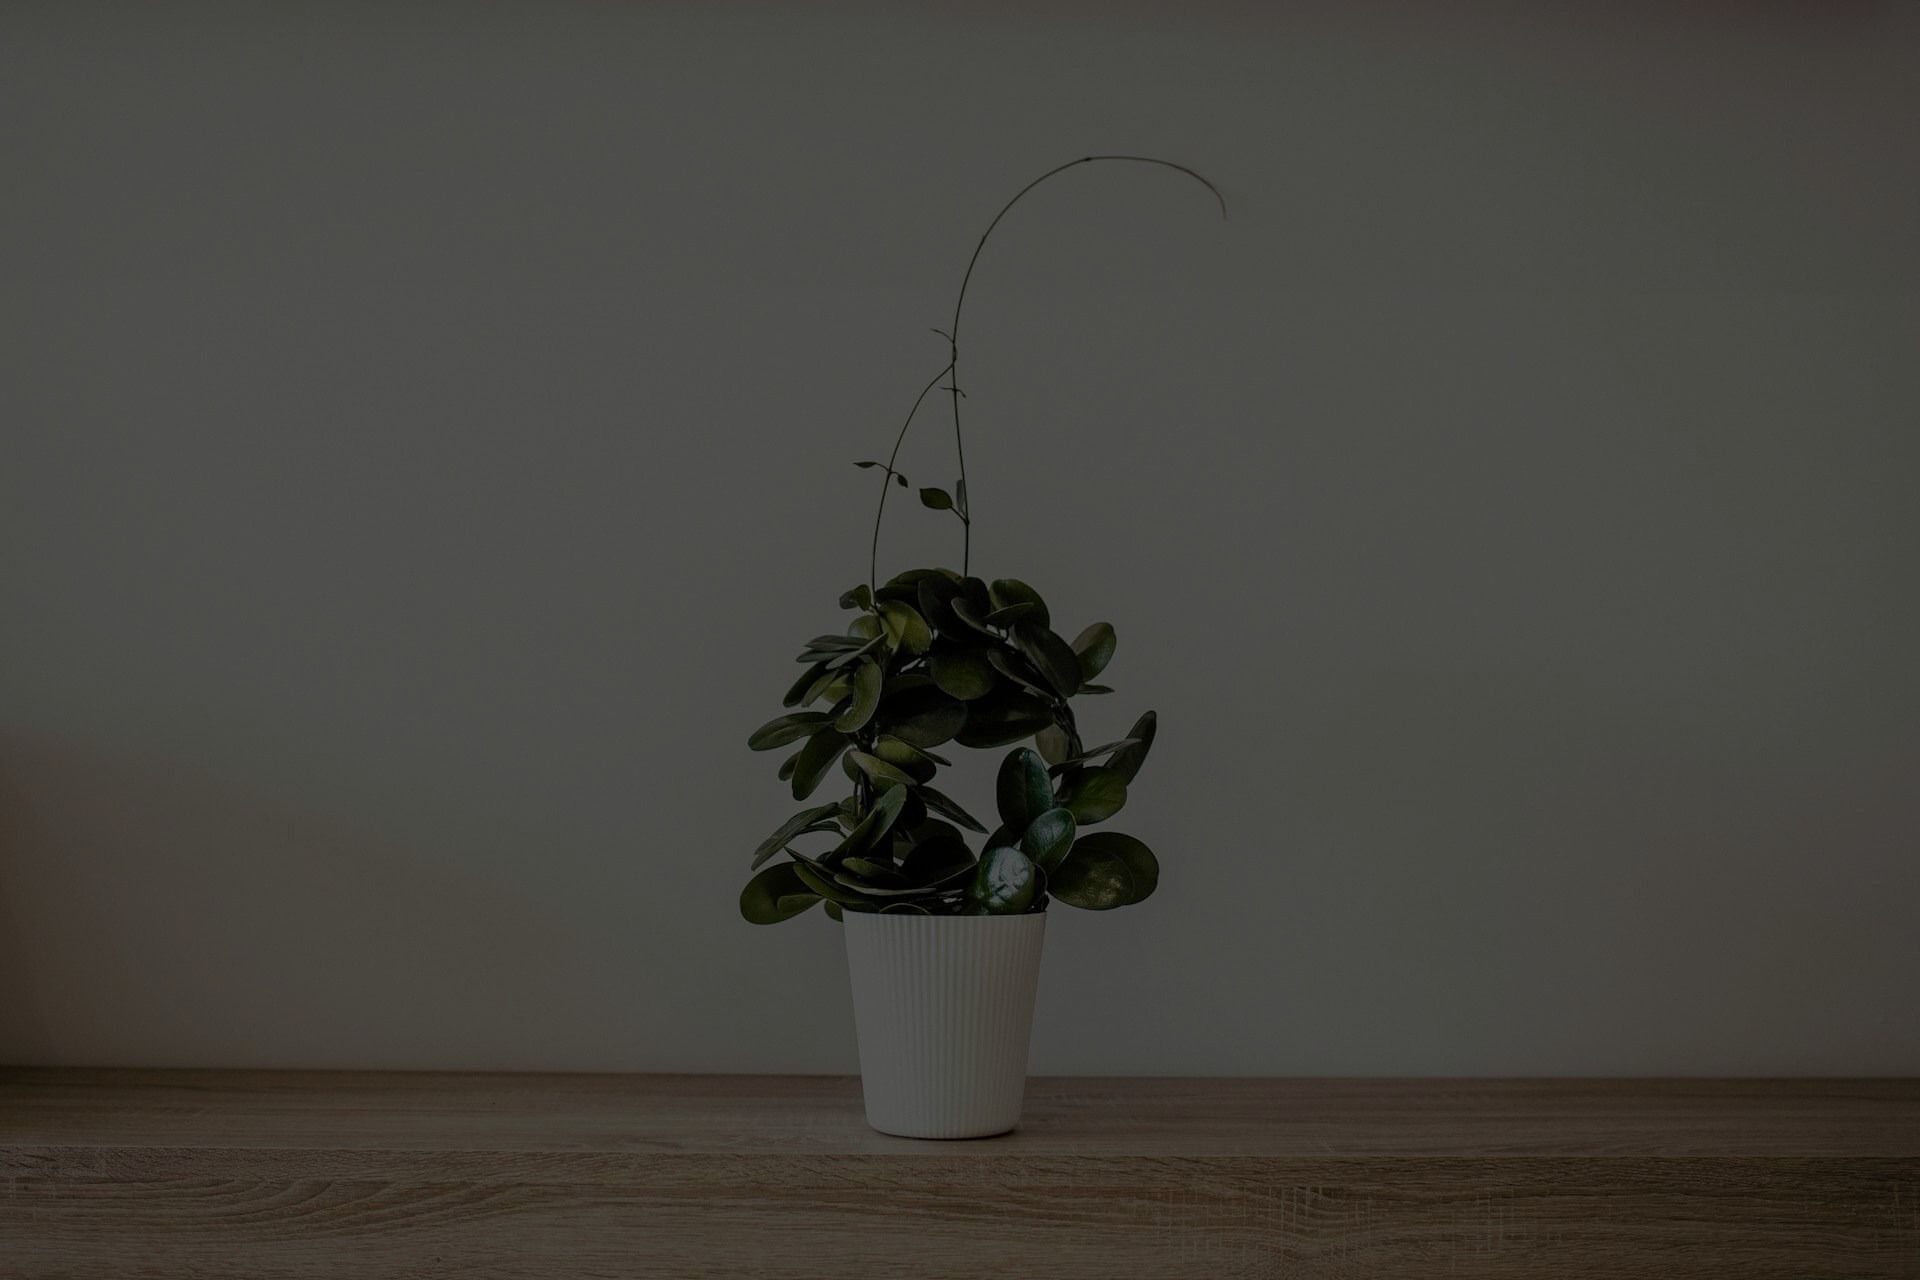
[886,481]
[952,335]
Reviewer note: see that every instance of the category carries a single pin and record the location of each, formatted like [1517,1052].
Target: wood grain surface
[297,1174]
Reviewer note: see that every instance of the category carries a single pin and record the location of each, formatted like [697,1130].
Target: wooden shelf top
[46,1110]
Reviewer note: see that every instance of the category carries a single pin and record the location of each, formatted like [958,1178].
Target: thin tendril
[952,335]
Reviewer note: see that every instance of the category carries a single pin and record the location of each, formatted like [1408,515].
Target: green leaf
[906,629]
[1011,614]
[1051,655]
[866,626]
[1011,591]
[1094,795]
[786,766]
[1127,760]
[1053,743]
[835,644]
[972,615]
[864,699]
[1019,670]
[938,499]
[814,819]
[776,894]
[1002,718]
[1091,754]
[909,759]
[1096,688]
[1048,837]
[782,730]
[815,759]
[960,494]
[1094,648]
[1006,882]
[922,717]
[938,802]
[820,880]
[860,597]
[833,911]
[938,861]
[962,673]
[872,829]
[1021,790]
[1105,870]
[879,873]
[797,695]
[882,773]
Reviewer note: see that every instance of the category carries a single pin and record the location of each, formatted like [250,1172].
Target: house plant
[943,943]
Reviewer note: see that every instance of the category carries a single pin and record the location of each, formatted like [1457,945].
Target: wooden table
[277,1174]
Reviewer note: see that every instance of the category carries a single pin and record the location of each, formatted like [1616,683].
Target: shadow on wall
[155,917]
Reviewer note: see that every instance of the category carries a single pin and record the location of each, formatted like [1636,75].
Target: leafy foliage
[931,657]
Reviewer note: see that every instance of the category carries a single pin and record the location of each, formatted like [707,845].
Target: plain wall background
[426,442]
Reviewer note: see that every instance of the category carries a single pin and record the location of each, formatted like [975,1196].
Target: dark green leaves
[1105,870]
[782,730]
[1021,790]
[1094,648]
[1127,760]
[1005,884]
[873,828]
[863,465]
[861,703]
[815,759]
[905,628]
[921,715]
[1004,592]
[1048,838]
[962,673]
[1002,718]
[940,803]
[776,894]
[860,597]
[819,818]
[938,499]
[1050,655]
[882,773]
[1094,795]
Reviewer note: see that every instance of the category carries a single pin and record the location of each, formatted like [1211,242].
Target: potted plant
[943,943]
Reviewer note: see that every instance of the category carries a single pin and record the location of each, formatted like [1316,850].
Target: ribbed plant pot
[943,1006]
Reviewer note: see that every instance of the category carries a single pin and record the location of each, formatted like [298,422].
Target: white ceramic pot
[943,1006]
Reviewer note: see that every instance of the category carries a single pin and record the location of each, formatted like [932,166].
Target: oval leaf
[1094,648]
[815,759]
[963,673]
[1054,744]
[905,628]
[1143,869]
[797,695]
[1127,760]
[882,773]
[1021,790]
[940,803]
[776,894]
[1004,592]
[1006,882]
[861,703]
[815,819]
[938,499]
[782,730]
[1048,837]
[1051,655]
[1094,795]
[1001,719]
[1092,879]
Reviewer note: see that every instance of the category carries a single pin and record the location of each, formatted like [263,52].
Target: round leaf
[1094,648]
[905,628]
[815,759]
[1004,592]
[782,730]
[776,894]
[861,703]
[1021,790]
[1127,760]
[1006,882]
[1048,837]
[1103,870]
[963,673]
[1094,795]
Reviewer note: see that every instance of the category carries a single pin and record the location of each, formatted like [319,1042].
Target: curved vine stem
[952,335]
[886,481]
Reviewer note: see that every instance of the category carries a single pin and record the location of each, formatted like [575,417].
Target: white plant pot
[943,1006]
